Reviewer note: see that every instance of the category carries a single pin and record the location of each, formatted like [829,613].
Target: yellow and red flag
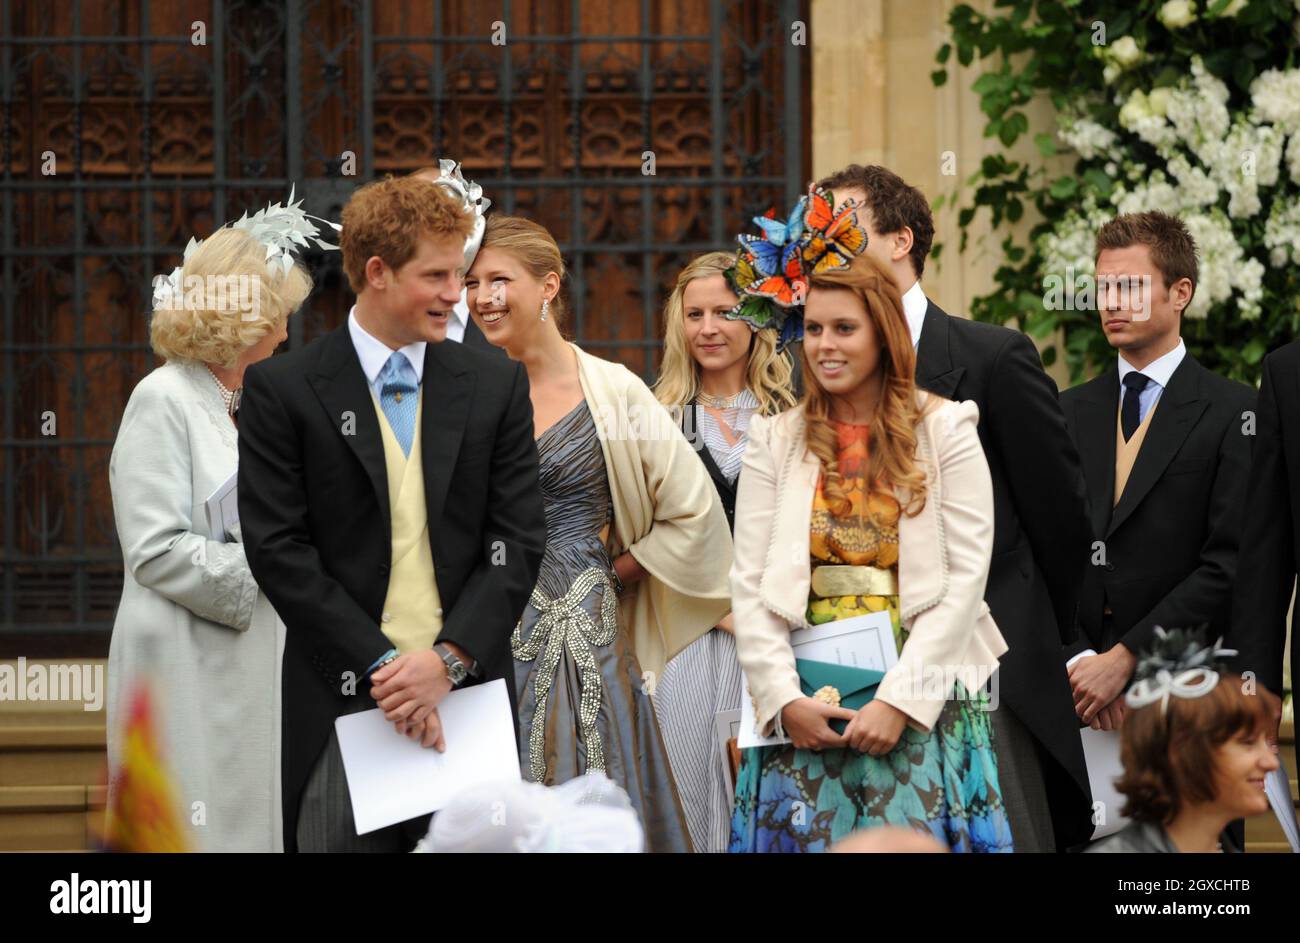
[142,814]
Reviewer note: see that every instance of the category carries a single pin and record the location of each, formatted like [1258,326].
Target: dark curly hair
[1168,755]
[894,205]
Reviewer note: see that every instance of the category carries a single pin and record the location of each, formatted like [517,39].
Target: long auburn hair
[769,372]
[892,454]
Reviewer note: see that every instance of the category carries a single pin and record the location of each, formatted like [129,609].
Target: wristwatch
[456,670]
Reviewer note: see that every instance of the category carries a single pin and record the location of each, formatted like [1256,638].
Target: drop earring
[546,307]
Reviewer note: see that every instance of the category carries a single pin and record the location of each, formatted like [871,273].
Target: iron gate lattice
[153,136]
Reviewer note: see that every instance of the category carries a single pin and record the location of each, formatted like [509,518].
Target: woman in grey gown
[192,629]
[637,550]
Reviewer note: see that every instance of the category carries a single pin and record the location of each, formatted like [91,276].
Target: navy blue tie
[1130,412]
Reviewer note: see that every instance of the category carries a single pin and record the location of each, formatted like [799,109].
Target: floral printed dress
[944,782]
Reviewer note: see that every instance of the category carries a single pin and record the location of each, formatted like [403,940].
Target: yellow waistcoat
[412,615]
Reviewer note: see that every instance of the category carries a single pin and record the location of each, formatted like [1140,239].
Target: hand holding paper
[850,655]
[392,779]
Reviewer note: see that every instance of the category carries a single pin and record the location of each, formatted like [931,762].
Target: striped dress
[704,679]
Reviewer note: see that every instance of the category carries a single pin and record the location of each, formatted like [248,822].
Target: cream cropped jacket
[943,564]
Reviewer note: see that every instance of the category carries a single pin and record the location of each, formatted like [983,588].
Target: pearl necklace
[230,398]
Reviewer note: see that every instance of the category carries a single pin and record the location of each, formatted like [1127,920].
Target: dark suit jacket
[476,339]
[314,510]
[1270,537]
[1171,542]
[1040,536]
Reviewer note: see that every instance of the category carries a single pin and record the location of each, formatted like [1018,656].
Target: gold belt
[831,581]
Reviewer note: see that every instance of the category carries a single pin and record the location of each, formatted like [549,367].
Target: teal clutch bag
[856,686]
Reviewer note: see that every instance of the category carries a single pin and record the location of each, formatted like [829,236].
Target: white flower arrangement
[1275,96]
[1221,169]
[1293,157]
[1282,234]
[1085,136]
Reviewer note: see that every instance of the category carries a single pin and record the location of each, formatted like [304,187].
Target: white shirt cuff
[1083,654]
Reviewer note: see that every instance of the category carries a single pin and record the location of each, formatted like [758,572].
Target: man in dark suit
[391,595]
[1166,453]
[1270,536]
[1040,538]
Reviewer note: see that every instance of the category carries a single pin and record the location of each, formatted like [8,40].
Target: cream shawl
[667,514]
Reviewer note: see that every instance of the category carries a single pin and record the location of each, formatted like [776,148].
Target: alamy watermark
[1083,291]
[242,293]
[38,681]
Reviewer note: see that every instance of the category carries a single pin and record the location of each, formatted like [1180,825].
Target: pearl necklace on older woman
[230,398]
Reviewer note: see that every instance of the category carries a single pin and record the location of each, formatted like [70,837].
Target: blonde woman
[637,548]
[718,372]
[869,497]
[192,627]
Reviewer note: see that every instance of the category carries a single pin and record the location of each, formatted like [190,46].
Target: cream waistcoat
[412,615]
[1126,453]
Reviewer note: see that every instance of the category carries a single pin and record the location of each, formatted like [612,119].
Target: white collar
[374,353]
[914,306]
[1159,370]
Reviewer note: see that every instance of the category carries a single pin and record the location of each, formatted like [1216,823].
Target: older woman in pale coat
[192,626]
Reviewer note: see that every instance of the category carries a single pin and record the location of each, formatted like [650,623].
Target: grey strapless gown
[582,702]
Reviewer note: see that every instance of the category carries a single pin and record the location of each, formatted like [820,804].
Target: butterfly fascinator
[773,267]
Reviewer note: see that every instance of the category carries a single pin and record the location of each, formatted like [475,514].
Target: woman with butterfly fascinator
[1194,746]
[870,500]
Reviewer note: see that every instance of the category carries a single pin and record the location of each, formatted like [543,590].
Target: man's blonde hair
[389,217]
[215,324]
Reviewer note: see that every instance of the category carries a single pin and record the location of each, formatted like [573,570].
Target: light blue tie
[399,397]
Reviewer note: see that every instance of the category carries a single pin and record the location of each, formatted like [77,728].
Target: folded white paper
[222,509]
[1101,754]
[392,778]
[865,641]
[726,725]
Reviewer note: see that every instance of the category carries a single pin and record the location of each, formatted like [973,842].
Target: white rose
[1135,109]
[1158,101]
[1110,73]
[1177,13]
[1125,52]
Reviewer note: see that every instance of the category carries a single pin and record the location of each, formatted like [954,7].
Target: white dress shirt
[458,321]
[1157,372]
[914,305]
[374,353]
